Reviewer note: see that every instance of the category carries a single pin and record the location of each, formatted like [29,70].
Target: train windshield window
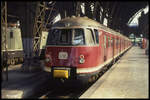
[53,37]
[78,38]
[66,37]
[59,37]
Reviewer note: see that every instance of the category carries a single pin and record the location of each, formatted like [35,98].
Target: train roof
[76,21]
[84,22]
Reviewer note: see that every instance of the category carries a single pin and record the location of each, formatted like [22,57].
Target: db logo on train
[63,55]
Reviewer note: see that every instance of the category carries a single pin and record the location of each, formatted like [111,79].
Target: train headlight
[48,58]
[81,59]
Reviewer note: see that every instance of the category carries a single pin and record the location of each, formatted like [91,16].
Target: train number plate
[63,55]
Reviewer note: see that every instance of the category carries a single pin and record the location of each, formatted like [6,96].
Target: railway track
[62,90]
[58,89]
[69,89]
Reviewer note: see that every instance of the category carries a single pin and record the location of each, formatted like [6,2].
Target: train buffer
[127,78]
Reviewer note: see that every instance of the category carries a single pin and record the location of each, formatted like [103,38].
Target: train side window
[120,41]
[11,34]
[97,36]
[108,41]
[89,37]
[114,41]
[111,41]
[117,42]
[105,38]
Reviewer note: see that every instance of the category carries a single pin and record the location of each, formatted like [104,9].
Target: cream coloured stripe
[86,70]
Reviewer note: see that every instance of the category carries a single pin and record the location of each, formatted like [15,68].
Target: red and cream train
[79,47]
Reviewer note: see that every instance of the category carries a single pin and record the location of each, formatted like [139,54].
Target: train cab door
[105,47]
[120,44]
[113,48]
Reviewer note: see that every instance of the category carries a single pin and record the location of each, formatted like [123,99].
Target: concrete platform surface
[23,84]
[127,78]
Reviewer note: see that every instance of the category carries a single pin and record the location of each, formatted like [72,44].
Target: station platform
[23,84]
[127,78]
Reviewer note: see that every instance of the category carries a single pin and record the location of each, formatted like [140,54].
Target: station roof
[124,10]
[121,11]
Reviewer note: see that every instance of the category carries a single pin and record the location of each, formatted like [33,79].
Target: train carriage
[78,48]
[13,44]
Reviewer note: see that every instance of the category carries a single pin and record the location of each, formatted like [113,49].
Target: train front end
[62,54]
[67,54]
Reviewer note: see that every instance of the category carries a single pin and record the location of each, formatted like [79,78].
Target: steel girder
[4,56]
[38,27]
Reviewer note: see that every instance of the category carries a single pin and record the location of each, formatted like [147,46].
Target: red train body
[144,43]
[78,48]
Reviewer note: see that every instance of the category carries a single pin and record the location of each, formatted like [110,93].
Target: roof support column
[4,46]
